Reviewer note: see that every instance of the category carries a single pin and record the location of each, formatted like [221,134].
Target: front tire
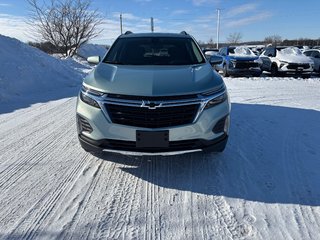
[225,71]
[257,74]
[274,70]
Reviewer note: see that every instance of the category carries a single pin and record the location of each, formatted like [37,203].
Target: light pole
[152,25]
[218,27]
[121,23]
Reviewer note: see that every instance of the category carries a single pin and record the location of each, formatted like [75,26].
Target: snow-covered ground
[264,186]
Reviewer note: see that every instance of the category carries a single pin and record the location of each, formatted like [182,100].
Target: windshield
[241,51]
[154,51]
[291,51]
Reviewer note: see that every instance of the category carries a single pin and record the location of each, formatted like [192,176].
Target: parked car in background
[208,52]
[302,48]
[239,61]
[286,60]
[257,50]
[314,54]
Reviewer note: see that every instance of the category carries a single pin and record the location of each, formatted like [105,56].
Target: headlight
[217,100]
[282,63]
[85,96]
[91,91]
[232,63]
[259,61]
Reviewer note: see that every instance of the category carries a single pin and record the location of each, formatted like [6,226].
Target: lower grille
[246,64]
[120,145]
[84,125]
[296,66]
[152,118]
[130,145]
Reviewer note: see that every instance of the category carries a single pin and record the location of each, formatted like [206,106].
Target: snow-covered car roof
[240,51]
[291,51]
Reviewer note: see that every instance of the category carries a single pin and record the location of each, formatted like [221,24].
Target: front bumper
[98,133]
[244,72]
[121,146]
[296,69]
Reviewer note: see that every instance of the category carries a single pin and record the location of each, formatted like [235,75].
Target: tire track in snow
[83,200]
[117,221]
[302,214]
[34,125]
[35,155]
[42,153]
[36,217]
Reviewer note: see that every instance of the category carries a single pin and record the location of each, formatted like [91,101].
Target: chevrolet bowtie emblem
[150,105]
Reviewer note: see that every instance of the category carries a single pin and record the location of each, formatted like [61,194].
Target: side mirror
[214,60]
[93,59]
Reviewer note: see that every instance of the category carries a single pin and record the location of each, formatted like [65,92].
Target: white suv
[286,60]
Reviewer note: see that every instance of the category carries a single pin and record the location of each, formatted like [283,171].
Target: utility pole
[121,23]
[218,27]
[152,25]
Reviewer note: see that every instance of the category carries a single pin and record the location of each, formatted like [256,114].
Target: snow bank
[25,70]
[88,50]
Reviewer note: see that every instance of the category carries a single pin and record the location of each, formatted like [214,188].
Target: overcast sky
[253,19]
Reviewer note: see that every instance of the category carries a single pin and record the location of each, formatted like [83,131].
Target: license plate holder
[152,139]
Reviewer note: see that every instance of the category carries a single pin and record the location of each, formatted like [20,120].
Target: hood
[153,80]
[290,58]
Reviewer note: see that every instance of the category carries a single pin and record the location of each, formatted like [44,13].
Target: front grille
[152,118]
[246,64]
[295,66]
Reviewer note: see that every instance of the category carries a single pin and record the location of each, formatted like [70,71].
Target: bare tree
[234,38]
[66,24]
[211,43]
[274,40]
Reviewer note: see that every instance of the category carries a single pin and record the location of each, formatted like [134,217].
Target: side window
[315,54]
[222,51]
[308,53]
[268,52]
[197,53]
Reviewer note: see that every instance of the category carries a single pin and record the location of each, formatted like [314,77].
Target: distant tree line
[234,39]
[47,47]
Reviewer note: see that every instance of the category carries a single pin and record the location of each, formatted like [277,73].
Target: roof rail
[184,32]
[127,32]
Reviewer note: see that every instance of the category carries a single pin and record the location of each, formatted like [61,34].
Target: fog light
[227,125]
[222,125]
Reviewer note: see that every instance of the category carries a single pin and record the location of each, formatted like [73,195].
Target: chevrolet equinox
[153,93]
